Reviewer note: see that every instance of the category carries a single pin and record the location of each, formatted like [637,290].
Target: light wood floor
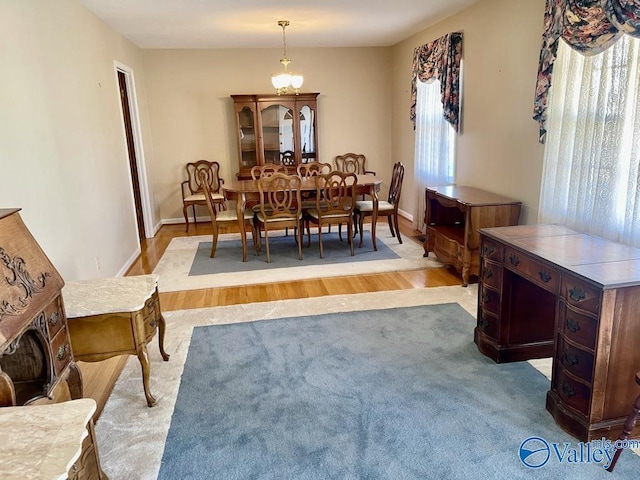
[100,377]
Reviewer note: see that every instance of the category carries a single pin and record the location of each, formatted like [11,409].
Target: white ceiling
[253,23]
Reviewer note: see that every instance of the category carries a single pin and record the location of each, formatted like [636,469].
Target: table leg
[162,325]
[374,218]
[240,205]
[143,356]
[74,381]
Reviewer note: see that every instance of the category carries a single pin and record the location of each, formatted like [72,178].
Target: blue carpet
[284,254]
[385,394]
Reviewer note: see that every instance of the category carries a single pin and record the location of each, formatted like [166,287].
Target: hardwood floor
[100,377]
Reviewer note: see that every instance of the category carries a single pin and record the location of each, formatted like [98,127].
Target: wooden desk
[454,215]
[549,291]
[246,191]
[115,316]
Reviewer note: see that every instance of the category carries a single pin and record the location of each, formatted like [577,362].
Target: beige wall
[191,112]
[498,147]
[62,152]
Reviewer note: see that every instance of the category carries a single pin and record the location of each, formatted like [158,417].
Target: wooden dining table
[246,191]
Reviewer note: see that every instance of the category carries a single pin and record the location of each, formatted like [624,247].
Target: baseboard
[129,262]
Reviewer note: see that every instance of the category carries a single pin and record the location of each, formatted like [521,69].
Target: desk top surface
[43,440]
[607,263]
[108,295]
[471,196]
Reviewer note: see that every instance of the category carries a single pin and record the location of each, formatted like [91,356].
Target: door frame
[143,183]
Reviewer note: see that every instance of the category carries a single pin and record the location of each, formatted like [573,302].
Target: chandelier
[285,81]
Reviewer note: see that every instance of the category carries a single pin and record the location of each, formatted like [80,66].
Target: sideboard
[454,215]
[549,291]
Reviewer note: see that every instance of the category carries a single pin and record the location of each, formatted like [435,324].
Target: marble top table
[108,295]
[43,441]
[115,316]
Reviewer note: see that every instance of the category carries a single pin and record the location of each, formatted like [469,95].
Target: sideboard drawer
[446,247]
[488,324]
[54,316]
[491,250]
[61,351]
[529,268]
[580,294]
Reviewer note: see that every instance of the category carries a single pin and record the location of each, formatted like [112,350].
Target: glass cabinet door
[277,135]
[247,136]
[307,134]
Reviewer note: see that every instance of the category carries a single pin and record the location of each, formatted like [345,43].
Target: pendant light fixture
[285,81]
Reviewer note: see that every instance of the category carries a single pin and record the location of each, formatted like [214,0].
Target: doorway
[131,130]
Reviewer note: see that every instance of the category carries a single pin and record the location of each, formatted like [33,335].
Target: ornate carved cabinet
[278,129]
[35,351]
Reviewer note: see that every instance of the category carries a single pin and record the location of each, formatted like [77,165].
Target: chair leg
[320,240]
[186,217]
[350,232]
[214,242]
[299,235]
[266,241]
[391,227]
[195,221]
[361,228]
[395,220]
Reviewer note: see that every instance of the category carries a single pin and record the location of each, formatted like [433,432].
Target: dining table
[244,192]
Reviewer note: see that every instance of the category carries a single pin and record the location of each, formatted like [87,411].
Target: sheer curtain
[590,176]
[434,145]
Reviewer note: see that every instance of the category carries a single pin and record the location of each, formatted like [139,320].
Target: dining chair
[225,217]
[280,207]
[288,158]
[335,201]
[389,208]
[309,170]
[628,427]
[353,163]
[266,170]
[191,188]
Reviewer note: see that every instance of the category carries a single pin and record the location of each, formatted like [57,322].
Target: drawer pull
[62,352]
[153,323]
[572,325]
[568,359]
[545,276]
[487,251]
[515,261]
[488,273]
[151,304]
[486,298]
[567,390]
[53,319]
[577,294]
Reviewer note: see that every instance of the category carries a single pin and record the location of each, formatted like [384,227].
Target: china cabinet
[280,129]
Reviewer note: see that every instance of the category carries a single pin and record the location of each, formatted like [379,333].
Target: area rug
[132,436]
[186,264]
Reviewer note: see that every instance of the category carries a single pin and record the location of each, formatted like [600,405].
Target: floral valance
[588,26]
[440,59]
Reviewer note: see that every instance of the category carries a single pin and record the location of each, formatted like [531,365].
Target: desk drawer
[579,328]
[491,273]
[489,299]
[446,248]
[491,250]
[539,273]
[61,351]
[580,294]
[488,323]
[572,392]
[575,360]
[54,316]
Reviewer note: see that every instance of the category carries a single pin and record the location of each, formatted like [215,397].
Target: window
[434,162]
[590,176]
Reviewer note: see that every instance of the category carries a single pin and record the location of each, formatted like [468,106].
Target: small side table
[49,442]
[115,316]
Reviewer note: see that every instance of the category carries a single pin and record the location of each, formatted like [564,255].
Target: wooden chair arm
[186,182]
[369,172]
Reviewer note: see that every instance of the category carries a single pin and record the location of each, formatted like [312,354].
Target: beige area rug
[131,435]
[174,266]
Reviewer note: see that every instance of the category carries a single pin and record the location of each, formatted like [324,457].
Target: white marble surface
[43,441]
[108,295]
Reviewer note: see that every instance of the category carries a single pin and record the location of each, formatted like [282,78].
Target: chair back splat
[266,170]
[353,163]
[280,207]
[335,202]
